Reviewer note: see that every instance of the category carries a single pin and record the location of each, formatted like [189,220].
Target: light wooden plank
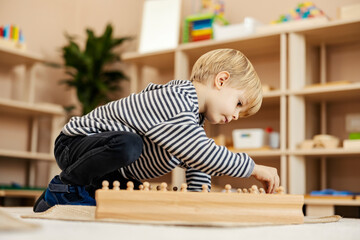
[32,109]
[26,155]
[296,117]
[160,59]
[12,57]
[21,193]
[259,153]
[329,92]
[325,152]
[198,207]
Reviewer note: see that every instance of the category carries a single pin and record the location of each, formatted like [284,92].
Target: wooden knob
[183,187]
[227,188]
[280,190]
[175,189]
[254,189]
[116,185]
[130,186]
[141,187]
[239,190]
[163,187]
[146,186]
[205,188]
[105,185]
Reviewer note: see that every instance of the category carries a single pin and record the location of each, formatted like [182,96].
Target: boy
[148,134]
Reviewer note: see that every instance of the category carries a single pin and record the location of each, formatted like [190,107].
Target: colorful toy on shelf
[302,11]
[12,36]
[198,27]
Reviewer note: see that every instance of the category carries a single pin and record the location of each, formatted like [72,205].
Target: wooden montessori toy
[161,205]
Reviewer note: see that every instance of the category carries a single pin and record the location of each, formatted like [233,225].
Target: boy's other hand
[268,176]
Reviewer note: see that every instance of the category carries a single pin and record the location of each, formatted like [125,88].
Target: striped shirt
[168,120]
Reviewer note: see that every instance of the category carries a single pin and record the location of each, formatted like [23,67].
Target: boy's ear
[221,79]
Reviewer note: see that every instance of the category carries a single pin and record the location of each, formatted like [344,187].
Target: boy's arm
[187,141]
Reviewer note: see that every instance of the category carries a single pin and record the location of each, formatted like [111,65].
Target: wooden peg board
[199,207]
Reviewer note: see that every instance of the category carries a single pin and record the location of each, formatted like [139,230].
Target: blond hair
[242,74]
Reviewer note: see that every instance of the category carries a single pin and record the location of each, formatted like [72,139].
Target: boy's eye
[239,104]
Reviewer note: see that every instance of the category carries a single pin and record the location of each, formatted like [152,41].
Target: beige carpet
[87,214]
[10,223]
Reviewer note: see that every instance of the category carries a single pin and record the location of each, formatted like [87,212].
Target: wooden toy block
[199,207]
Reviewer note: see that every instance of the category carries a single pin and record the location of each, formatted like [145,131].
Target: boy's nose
[236,116]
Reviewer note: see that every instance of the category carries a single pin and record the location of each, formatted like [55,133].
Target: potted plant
[88,69]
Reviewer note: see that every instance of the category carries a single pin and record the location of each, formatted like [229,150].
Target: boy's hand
[268,176]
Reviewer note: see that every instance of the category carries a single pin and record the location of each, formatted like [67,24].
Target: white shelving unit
[290,61]
[23,106]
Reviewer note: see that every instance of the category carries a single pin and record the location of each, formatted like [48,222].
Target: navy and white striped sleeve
[195,179]
[187,141]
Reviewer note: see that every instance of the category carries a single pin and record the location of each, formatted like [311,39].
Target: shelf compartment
[325,152]
[33,109]
[13,57]
[332,32]
[256,44]
[159,59]
[329,93]
[325,205]
[272,97]
[27,155]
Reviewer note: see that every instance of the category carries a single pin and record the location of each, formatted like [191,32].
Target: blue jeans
[88,160]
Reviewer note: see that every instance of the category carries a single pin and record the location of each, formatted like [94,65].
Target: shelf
[332,32]
[26,155]
[256,44]
[12,57]
[272,97]
[159,59]
[21,193]
[331,200]
[259,153]
[325,152]
[33,109]
[329,92]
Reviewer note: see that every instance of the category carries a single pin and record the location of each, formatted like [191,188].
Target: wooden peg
[146,186]
[262,191]
[141,187]
[105,185]
[116,185]
[245,190]
[205,188]
[158,188]
[163,187]
[228,188]
[254,189]
[239,190]
[183,187]
[130,186]
[280,190]
[175,189]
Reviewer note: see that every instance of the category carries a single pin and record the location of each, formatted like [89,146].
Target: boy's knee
[126,147]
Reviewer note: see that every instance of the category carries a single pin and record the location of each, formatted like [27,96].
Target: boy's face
[224,103]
